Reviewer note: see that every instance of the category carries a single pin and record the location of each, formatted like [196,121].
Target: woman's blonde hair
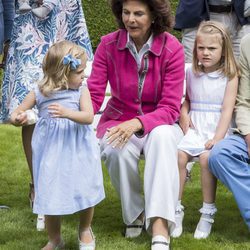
[228,65]
[56,71]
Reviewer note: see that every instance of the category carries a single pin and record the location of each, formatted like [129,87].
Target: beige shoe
[135,229]
[60,246]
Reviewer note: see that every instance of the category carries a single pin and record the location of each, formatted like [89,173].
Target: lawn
[18,223]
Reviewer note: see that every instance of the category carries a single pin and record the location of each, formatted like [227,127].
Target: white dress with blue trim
[206,94]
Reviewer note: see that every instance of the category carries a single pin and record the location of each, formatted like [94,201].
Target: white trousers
[230,21]
[161,176]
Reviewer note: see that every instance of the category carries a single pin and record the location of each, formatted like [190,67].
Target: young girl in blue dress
[206,114]
[31,37]
[65,153]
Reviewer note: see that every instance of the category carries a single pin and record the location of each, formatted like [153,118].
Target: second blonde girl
[206,114]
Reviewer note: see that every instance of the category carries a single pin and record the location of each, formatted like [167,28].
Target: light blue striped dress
[31,38]
[66,159]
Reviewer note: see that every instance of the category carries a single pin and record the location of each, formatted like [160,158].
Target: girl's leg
[53,225]
[208,183]
[183,159]
[85,233]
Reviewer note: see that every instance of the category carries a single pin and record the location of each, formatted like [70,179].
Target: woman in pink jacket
[145,68]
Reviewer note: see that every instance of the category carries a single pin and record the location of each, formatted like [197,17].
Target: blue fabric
[7,12]
[66,159]
[190,13]
[229,162]
[31,38]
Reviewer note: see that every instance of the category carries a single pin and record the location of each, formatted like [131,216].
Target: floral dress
[30,40]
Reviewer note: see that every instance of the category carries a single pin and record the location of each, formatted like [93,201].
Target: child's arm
[84,116]
[226,112]
[19,117]
[185,121]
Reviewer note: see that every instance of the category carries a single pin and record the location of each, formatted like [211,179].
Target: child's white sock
[24,6]
[41,12]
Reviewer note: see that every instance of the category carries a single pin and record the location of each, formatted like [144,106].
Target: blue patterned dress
[31,38]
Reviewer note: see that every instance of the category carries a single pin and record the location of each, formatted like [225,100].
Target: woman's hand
[58,111]
[39,2]
[119,135]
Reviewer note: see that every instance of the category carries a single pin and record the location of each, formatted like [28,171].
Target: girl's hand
[20,119]
[185,123]
[119,135]
[210,143]
[58,111]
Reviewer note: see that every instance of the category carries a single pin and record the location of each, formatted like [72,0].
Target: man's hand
[247,139]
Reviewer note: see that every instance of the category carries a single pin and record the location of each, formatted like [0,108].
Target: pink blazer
[161,74]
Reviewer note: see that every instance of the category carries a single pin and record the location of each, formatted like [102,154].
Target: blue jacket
[7,13]
[190,13]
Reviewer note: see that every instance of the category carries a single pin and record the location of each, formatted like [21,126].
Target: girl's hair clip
[73,62]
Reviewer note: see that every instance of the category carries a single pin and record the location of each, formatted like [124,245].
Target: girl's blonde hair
[228,65]
[56,72]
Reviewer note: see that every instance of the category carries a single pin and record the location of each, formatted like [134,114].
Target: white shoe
[41,12]
[178,228]
[24,7]
[40,222]
[87,246]
[159,242]
[135,229]
[202,234]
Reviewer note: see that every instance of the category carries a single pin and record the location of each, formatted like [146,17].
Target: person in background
[7,13]
[144,66]
[190,13]
[229,159]
[66,157]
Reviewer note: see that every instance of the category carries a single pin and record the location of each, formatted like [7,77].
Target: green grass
[18,223]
